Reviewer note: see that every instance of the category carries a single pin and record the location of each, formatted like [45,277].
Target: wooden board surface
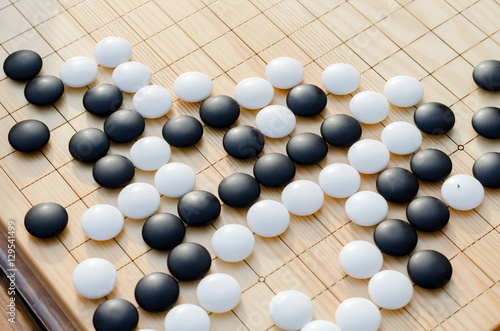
[435,41]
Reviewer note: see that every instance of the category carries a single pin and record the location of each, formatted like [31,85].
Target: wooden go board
[435,41]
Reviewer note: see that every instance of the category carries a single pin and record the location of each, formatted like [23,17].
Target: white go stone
[150,153]
[320,325]
[291,310]
[403,91]
[462,192]
[366,208]
[368,156]
[152,101]
[78,71]
[193,86]
[187,317]
[268,218]
[284,72]
[102,222]
[138,200]
[218,293]
[401,138]
[254,93]
[233,242]
[112,51]
[94,278]
[369,107]
[357,314]
[360,259]
[339,180]
[341,78]
[275,121]
[175,179]
[130,77]
[390,289]
[302,197]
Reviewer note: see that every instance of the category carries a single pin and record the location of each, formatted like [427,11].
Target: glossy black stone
[429,269]
[189,261]
[306,100]
[198,208]
[274,170]
[434,118]
[156,292]
[113,171]
[22,65]
[395,237]
[182,131]
[431,165]
[124,126]
[219,111]
[46,220]
[487,75]
[44,90]
[239,190]
[29,136]
[243,142]
[306,148]
[103,99]
[89,145]
[486,122]
[341,130]
[163,231]
[486,169]
[397,184]
[115,314]
[427,214]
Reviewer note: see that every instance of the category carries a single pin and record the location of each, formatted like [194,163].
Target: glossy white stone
[94,278]
[268,218]
[390,289]
[356,314]
[193,86]
[339,180]
[187,317]
[403,91]
[233,242]
[102,222]
[284,72]
[175,179]
[302,197]
[152,101]
[218,293]
[401,138]
[462,192]
[150,153]
[320,325]
[368,156]
[291,310]
[112,51]
[138,200]
[366,208]
[254,93]
[369,107]
[360,259]
[131,76]
[275,121]
[78,71]
[341,78]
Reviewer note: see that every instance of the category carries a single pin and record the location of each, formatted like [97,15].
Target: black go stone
[306,100]
[239,190]
[274,170]
[429,269]
[44,90]
[219,111]
[163,231]
[46,220]
[487,75]
[182,131]
[113,171]
[243,142]
[103,99]
[156,292]
[428,214]
[189,261]
[431,165]
[22,65]
[395,237]
[115,314]
[199,208]
[486,122]
[89,145]
[341,130]
[434,118]
[29,136]
[306,148]
[397,185]
[486,169]
[124,126]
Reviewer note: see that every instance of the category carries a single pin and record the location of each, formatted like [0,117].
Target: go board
[436,41]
